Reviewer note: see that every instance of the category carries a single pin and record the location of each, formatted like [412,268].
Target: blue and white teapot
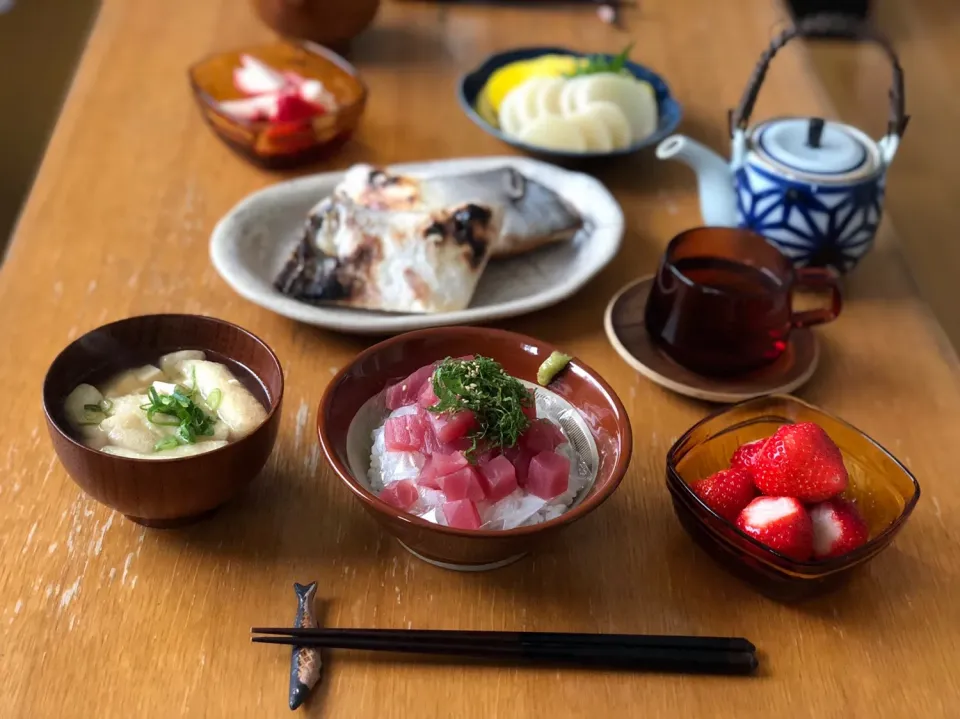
[813,188]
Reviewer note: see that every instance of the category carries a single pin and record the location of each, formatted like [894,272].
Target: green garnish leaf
[551,366]
[594,64]
[166,443]
[180,411]
[95,413]
[482,386]
[214,399]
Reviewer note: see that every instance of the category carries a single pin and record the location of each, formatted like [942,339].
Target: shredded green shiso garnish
[496,399]
[180,411]
[594,64]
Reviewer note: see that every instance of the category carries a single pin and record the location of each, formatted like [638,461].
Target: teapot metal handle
[824,26]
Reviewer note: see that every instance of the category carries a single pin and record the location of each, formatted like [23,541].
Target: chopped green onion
[166,443]
[95,413]
[178,410]
[603,63]
[214,399]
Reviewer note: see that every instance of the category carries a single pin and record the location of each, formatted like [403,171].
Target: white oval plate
[252,242]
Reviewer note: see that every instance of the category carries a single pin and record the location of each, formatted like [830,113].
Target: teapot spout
[718,200]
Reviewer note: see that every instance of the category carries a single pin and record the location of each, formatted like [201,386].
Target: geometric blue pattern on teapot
[814,225]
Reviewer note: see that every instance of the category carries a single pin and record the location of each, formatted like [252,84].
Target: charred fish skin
[305,663]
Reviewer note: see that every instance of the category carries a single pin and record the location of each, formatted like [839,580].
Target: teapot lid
[816,147]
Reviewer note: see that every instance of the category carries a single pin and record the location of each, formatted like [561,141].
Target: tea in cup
[722,301]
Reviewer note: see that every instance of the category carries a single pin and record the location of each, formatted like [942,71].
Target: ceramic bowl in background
[883,489]
[281,145]
[167,492]
[393,359]
[473,82]
[333,23]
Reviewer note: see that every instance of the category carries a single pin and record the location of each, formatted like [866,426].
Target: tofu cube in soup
[171,363]
[549,475]
[462,514]
[132,380]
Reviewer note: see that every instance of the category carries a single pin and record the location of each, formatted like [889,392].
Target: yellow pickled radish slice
[548,95]
[553,132]
[635,98]
[593,127]
[613,119]
[508,77]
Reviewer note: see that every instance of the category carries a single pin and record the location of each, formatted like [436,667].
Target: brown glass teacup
[722,300]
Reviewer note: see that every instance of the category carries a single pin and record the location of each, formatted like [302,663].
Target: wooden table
[103,618]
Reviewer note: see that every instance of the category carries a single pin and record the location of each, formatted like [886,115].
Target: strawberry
[780,523]
[726,492]
[746,453]
[838,528]
[800,461]
[293,108]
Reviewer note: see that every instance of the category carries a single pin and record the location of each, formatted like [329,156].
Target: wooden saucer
[627,332]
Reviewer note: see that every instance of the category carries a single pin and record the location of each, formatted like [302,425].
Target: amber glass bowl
[280,145]
[884,490]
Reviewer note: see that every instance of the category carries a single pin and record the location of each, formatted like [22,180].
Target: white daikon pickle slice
[612,118]
[511,121]
[554,133]
[569,100]
[548,95]
[596,134]
[633,97]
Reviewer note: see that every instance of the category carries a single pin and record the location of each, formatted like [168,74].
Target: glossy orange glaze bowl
[393,359]
[281,145]
[884,491]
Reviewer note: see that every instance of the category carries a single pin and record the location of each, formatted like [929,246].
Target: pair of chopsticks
[688,655]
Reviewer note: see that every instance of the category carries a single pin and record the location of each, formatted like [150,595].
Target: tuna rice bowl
[461,443]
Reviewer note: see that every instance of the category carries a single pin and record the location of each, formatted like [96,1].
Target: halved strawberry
[746,453]
[800,461]
[780,523]
[838,528]
[293,108]
[726,492]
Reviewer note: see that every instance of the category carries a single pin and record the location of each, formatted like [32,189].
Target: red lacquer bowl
[470,550]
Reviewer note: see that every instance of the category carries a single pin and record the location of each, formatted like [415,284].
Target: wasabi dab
[551,367]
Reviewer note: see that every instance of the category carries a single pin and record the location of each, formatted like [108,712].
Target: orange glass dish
[884,490]
[277,144]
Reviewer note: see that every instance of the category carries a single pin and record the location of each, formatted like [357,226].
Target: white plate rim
[607,229]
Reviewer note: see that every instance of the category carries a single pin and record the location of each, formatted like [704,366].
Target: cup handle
[818,278]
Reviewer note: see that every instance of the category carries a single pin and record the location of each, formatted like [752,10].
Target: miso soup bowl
[883,489]
[166,492]
[392,360]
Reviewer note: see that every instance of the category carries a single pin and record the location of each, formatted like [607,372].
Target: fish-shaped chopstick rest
[305,662]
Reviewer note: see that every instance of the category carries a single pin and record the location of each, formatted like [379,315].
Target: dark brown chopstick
[726,644]
[667,654]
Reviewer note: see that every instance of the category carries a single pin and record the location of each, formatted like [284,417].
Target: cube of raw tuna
[549,475]
[450,427]
[462,514]
[520,458]
[401,495]
[500,476]
[404,433]
[440,465]
[408,390]
[542,436]
[463,484]
[427,397]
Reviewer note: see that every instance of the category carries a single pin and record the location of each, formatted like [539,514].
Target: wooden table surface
[100,617]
